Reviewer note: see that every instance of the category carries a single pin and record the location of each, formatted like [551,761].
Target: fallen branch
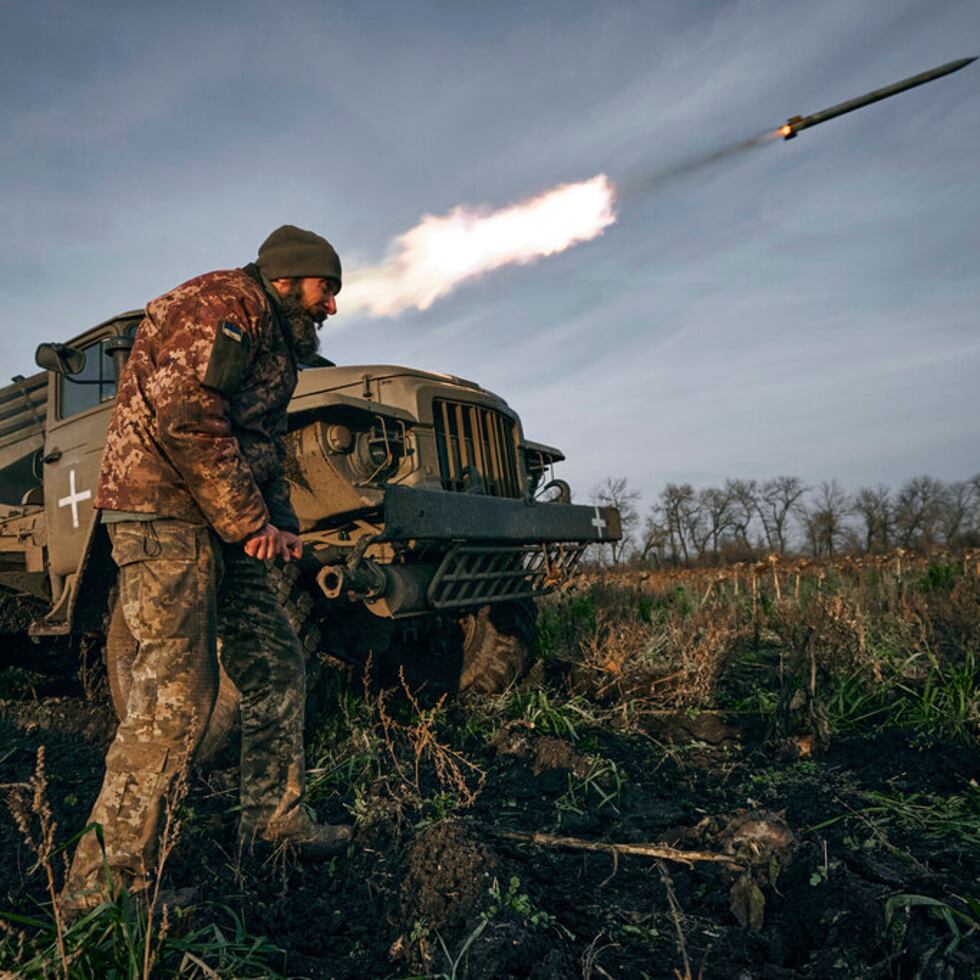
[660,851]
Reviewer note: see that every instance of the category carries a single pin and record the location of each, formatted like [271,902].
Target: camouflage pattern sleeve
[281,511]
[190,390]
[276,492]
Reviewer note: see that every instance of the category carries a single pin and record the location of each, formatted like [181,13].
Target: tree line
[745,519]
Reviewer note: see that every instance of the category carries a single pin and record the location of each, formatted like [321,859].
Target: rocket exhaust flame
[428,261]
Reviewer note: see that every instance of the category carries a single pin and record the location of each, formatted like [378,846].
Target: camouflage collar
[255,274]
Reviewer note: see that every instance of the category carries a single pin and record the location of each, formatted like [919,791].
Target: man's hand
[294,546]
[271,543]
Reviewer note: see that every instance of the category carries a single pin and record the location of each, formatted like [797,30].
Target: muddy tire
[120,650]
[498,643]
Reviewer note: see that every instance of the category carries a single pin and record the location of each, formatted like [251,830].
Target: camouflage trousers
[179,588]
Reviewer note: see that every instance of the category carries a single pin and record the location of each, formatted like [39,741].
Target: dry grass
[814,645]
[29,806]
[453,772]
[144,937]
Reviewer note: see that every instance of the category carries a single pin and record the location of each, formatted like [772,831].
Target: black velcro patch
[229,359]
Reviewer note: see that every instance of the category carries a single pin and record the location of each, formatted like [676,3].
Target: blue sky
[810,307]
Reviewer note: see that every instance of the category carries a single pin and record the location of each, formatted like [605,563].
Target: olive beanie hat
[293,253]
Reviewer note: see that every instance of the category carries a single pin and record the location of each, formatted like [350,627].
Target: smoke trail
[428,261]
[693,165]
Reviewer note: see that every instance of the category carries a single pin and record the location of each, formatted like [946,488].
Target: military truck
[430,523]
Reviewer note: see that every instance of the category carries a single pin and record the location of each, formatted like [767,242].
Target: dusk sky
[809,307]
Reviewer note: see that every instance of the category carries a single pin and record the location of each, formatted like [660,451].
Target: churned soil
[429,891]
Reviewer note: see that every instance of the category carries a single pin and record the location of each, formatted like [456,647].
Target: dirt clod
[557,753]
[448,876]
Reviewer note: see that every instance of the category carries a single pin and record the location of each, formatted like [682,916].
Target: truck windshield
[100,375]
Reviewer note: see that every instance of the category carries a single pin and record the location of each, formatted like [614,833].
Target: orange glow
[785,130]
[428,261]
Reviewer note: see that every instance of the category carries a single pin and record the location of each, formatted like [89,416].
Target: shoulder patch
[229,360]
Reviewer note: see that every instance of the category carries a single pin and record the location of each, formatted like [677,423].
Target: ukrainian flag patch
[232,331]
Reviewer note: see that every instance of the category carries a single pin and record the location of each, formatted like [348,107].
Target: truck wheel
[498,641]
[121,650]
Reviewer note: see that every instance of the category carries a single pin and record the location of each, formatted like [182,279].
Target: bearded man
[194,499]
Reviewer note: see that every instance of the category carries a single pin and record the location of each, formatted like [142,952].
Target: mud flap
[83,604]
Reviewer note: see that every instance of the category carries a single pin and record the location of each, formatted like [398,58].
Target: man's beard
[302,325]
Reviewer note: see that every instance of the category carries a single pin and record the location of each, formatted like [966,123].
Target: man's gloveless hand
[271,543]
[292,543]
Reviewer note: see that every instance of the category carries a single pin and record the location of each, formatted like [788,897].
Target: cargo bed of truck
[23,409]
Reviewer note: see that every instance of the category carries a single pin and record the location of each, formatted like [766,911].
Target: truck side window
[98,370]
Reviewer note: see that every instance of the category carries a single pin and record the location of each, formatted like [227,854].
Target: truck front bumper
[498,549]
[433,515]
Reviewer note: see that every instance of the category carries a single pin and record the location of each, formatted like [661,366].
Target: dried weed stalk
[824,640]
[29,806]
[672,665]
[453,771]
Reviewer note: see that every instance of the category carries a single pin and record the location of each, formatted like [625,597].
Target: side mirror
[118,348]
[60,359]
[555,492]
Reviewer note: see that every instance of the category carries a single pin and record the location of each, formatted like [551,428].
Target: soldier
[194,500]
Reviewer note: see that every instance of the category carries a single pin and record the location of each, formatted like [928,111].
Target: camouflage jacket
[197,430]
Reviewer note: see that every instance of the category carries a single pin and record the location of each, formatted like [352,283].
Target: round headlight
[340,439]
[377,451]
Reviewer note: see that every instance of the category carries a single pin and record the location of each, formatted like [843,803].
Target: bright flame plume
[441,251]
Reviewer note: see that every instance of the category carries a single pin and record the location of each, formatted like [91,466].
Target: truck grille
[477,449]
[471,575]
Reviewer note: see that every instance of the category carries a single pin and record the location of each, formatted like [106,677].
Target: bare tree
[615,491]
[823,520]
[718,514]
[677,505]
[917,511]
[874,507]
[956,510]
[744,508]
[735,520]
[972,536]
[653,546]
[779,498]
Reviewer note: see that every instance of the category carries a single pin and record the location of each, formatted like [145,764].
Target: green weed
[961,924]
[110,940]
[548,715]
[600,787]
[853,703]
[517,902]
[947,706]
[938,577]
[955,817]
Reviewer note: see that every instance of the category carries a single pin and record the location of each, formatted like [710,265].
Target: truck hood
[375,386]
[353,376]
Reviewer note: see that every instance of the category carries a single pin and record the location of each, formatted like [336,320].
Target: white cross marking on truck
[598,523]
[74,497]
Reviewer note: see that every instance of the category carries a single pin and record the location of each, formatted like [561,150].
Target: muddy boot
[80,898]
[312,841]
[75,902]
[174,900]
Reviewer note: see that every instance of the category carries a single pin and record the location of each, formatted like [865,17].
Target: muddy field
[789,784]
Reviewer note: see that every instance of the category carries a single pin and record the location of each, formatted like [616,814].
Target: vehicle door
[79,407]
